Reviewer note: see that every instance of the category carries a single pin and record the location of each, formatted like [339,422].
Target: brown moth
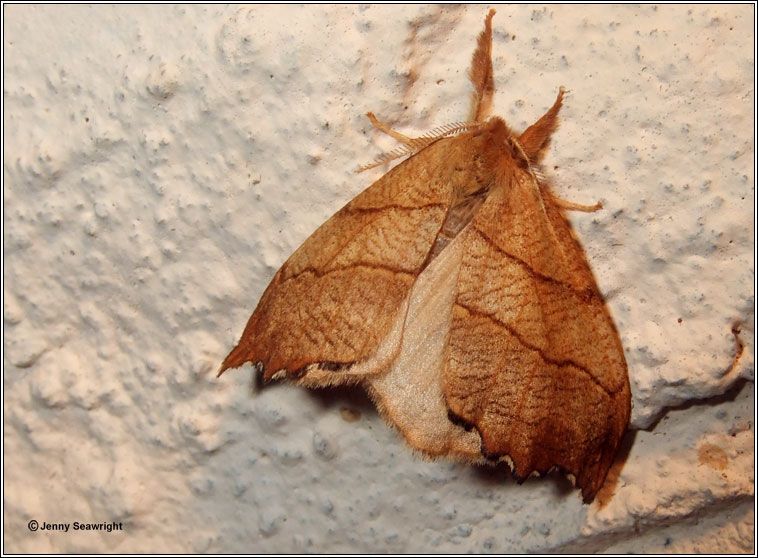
[455,292]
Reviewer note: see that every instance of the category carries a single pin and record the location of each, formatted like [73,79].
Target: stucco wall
[161,162]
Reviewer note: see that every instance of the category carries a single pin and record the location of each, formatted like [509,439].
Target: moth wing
[409,395]
[533,360]
[339,302]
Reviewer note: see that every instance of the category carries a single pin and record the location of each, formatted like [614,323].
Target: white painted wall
[161,162]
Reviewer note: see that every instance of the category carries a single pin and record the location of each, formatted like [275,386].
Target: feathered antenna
[414,145]
[481,76]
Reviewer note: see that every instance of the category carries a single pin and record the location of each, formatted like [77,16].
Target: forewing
[534,362]
[335,309]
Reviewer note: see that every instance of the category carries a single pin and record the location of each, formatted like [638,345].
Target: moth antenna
[481,73]
[385,158]
[538,174]
[448,130]
[413,145]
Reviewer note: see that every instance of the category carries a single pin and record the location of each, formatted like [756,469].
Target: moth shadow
[494,475]
[353,398]
[608,490]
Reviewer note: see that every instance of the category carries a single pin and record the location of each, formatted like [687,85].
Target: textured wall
[161,162]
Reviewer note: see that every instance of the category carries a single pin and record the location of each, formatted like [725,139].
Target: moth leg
[536,137]
[405,140]
[411,145]
[576,206]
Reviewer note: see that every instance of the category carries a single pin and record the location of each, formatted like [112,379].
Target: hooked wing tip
[235,359]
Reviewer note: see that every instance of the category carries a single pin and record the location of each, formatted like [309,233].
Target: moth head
[502,150]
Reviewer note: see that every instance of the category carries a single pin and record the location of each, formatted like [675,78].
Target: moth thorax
[517,153]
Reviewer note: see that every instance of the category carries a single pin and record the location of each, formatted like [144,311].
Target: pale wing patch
[410,394]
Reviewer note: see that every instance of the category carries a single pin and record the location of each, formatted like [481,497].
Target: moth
[454,291]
